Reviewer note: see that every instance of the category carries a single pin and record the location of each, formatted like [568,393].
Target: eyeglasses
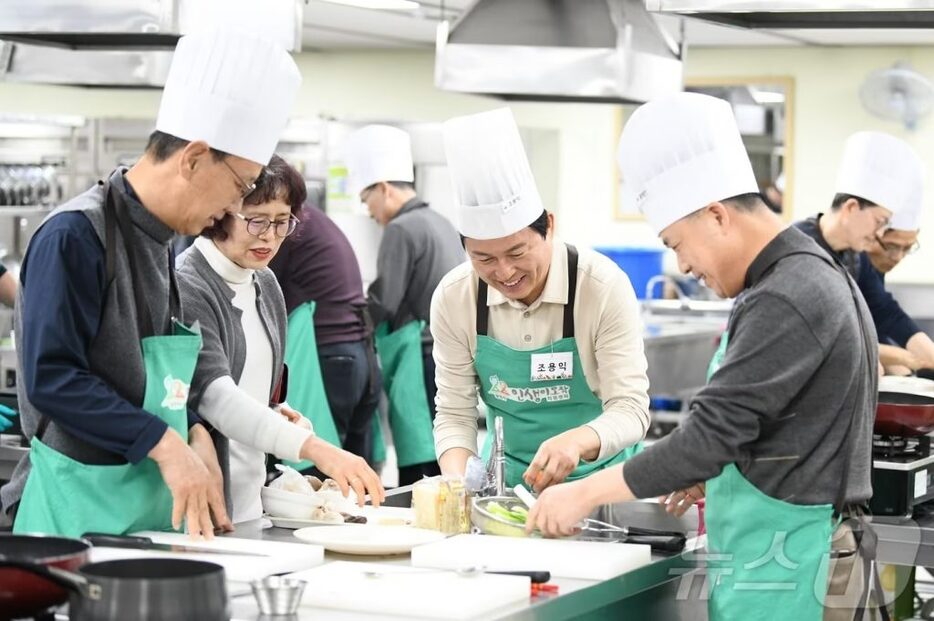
[259,225]
[245,188]
[896,249]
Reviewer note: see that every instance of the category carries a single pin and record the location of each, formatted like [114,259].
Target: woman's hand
[347,469]
[293,416]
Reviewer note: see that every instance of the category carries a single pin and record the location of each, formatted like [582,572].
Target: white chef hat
[230,89]
[680,153]
[493,183]
[884,170]
[378,153]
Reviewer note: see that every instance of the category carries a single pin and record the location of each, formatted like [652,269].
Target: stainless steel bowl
[491,524]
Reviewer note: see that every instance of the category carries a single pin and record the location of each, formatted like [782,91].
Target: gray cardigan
[207,299]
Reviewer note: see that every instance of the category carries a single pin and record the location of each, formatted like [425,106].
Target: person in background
[227,288]
[419,246]
[319,275]
[774,193]
[880,177]
[7,287]
[105,363]
[781,435]
[898,241]
[549,334]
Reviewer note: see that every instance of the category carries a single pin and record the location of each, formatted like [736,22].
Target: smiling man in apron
[548,333]
[781,434]
[105,362]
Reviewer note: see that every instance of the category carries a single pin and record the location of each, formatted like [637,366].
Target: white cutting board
[409,592]
[280,556]
[587,560]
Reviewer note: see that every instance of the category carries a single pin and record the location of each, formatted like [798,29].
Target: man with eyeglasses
[105,359]
[419,246]
[880,181]
[904,346]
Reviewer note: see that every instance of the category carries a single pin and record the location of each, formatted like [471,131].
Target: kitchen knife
[396,491]
[145,543]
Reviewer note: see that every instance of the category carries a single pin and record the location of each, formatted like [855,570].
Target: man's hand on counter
[560,508]
[200,441]
[194,493]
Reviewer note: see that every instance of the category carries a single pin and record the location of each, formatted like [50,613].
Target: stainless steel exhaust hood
[122,42]
[795,14]
[142,24]
[558,50]
[39,64]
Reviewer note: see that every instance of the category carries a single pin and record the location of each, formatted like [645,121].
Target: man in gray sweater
[418,248]
[781,436]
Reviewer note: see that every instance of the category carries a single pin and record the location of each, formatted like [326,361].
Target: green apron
[534,411]
[754,567]
[66,497]
[400,355]
[306,387]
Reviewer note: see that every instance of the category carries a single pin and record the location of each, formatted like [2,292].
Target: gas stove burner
[899,446]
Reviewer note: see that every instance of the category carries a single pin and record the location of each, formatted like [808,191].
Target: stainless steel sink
[678,348]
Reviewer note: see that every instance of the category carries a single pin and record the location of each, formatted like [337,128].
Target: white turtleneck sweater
[239,410]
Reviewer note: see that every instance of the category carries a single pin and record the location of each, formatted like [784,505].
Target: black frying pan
[150,589]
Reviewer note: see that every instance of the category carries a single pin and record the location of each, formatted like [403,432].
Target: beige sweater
[609,340]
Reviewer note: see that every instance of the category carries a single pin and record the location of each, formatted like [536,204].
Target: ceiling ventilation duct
[797,14]
[608,51]
[123,42]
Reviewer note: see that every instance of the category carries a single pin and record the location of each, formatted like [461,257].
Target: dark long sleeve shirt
[796,390]
[418,248]
[893,325]
[317,263]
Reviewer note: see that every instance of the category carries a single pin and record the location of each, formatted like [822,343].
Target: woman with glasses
[238,385]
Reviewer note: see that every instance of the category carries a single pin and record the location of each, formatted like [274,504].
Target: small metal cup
[276,595]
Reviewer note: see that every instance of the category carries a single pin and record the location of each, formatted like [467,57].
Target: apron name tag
[552,366]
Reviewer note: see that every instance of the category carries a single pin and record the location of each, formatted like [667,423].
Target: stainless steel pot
[150,589]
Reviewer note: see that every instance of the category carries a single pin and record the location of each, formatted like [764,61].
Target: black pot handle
[67,579]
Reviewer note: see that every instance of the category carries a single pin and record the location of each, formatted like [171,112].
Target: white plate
[369,540]
[912,385]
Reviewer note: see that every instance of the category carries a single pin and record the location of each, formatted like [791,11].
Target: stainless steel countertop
[575,597]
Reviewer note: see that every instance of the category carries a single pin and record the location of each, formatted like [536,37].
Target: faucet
[489,479]
[496,468]
[661,278]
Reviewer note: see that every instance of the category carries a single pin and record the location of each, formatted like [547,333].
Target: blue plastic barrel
[640,264]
